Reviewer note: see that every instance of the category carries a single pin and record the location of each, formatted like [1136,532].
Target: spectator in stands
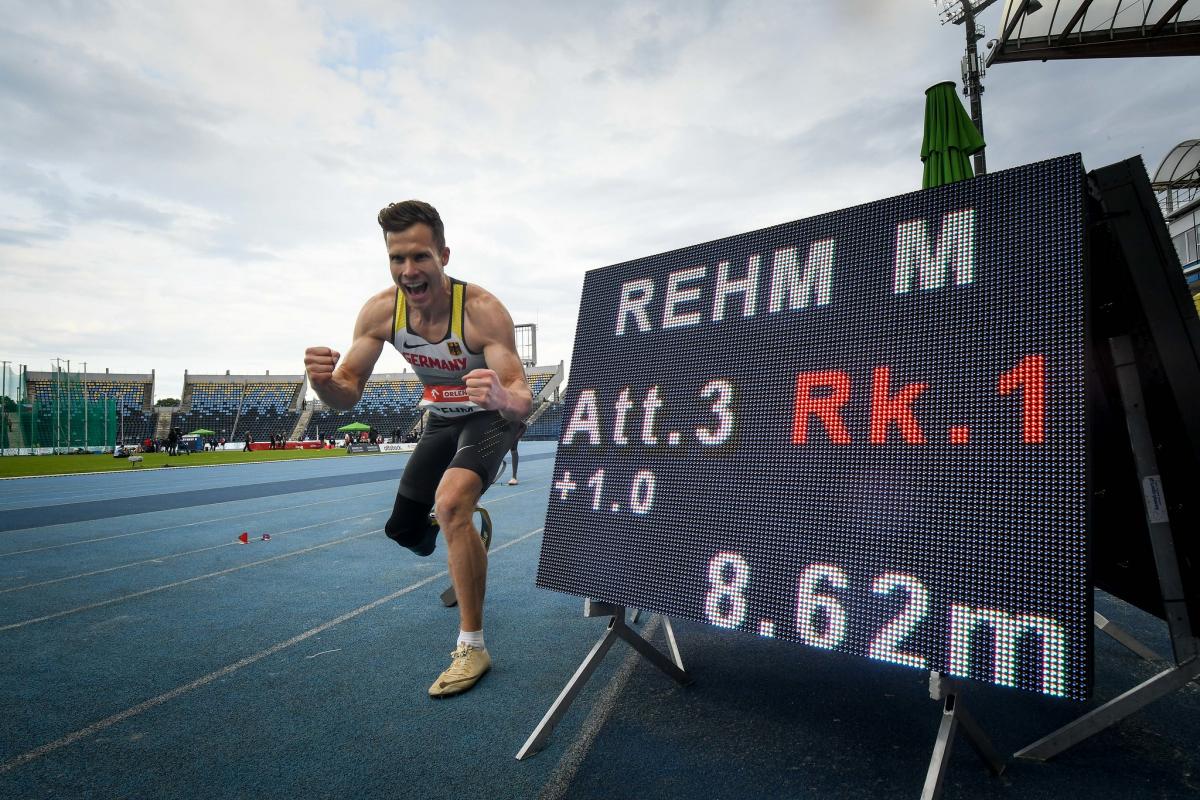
[457,336]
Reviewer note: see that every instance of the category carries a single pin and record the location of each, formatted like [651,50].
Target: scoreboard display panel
[863,431]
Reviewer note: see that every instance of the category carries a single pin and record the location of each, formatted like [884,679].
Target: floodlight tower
[963,12]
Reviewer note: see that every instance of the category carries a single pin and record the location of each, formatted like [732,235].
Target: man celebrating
[459,340]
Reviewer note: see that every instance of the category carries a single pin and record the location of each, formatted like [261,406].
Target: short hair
[398,217]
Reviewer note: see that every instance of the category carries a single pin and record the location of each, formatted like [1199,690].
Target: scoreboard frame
[864,431]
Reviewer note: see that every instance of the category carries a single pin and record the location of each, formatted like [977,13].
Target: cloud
[195,185]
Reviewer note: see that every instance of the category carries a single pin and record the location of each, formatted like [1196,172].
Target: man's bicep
[359,362]
[503,360]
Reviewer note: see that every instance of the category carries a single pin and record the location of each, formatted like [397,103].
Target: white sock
[472,638]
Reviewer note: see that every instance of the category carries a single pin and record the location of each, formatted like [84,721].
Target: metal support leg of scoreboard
[617,629]
[1164,683]
[954,719]
[1185,647]
[1124,637]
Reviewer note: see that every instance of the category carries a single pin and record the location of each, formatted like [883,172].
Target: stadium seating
[233,408]
[548,426]
[538,381]
[387,405]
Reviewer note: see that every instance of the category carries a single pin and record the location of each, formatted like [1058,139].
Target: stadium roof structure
[1178,177]
[227,378]
[1034,30]
[93,377]
[1180,168]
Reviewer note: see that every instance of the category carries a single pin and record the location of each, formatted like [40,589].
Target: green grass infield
[25,466]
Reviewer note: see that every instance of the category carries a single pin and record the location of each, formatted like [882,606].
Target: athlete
[459,340]
[514,456]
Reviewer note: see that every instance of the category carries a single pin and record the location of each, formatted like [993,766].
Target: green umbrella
[355,426]
[950,138]
[202,432]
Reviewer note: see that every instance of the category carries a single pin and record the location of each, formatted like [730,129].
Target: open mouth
[416,290]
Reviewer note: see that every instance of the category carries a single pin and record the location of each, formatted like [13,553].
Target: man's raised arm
[340,386]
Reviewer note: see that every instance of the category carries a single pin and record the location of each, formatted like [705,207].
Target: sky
[194,186]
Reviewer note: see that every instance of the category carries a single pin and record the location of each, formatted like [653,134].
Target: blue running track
[145,653]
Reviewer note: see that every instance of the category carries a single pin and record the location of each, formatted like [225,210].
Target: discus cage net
[54,415]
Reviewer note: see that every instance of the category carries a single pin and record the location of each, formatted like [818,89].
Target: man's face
[417,266]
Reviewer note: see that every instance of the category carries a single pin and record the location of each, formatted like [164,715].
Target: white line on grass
[166,697]
[162,559]
[243,515]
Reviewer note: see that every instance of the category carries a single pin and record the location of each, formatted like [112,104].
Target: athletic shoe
[512,481]
[468,664]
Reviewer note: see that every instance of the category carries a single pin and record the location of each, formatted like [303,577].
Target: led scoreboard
[863,431]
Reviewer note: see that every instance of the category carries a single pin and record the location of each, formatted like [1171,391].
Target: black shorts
[478,442]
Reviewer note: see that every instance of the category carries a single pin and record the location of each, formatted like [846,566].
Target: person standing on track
[459,340]
[514,456]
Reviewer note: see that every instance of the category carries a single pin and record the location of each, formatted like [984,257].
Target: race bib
[448,401]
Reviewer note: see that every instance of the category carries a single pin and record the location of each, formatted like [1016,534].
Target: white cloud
[194,186]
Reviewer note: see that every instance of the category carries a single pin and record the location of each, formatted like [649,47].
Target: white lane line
[558,785]
[166,697]
[324,653]
[20,502]
[160,511]
[36,500]
[495,500]
[164,559]
[183,582]
[243,515]
[195,482]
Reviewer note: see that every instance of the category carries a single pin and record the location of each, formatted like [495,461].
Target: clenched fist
[485,390]
[319,363]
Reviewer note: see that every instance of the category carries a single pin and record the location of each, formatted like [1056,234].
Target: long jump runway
[145,653]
